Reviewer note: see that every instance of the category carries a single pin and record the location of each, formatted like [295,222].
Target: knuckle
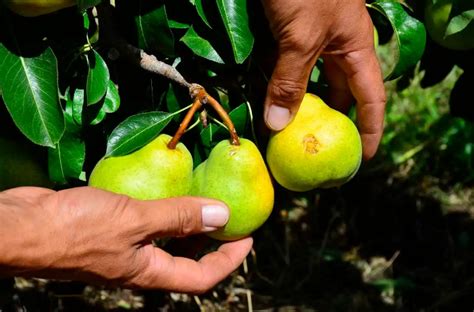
[187,223]
[299,41]
[286,91]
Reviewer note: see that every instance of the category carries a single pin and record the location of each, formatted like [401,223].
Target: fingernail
[278,117]
[214,216]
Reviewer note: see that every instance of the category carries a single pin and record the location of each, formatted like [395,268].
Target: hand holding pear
[320,148]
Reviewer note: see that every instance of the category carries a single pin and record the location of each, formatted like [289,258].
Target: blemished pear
[152,172]
[320,148]
[236,175]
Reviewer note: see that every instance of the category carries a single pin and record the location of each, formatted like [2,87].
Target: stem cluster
[150,63]
[200,99]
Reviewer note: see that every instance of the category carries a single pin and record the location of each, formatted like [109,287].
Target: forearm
[20,249]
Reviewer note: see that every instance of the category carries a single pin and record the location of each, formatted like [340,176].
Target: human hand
[340,31]
[95,236]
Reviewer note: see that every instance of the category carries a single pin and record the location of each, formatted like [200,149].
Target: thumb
[181,216]
[286,88]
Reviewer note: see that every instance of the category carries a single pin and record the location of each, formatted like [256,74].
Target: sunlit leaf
[236,21]
[97,78]
[410,34]
[200,46]
[30,91]
[135,132]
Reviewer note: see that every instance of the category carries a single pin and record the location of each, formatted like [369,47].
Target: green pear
[152,172]
[236,175]
[320,148]
[32,8]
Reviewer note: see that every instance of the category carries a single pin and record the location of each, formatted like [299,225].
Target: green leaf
[85,20]
[200,46]
[177,25]
[111,103]
[240,117]
[97,78]
[112,98]
[201,12]
[199,154]
[69,119]
[409,32]
[153,28]
[30,91]
[236,21]
[66,160]
[85,4]
[401,283]
[459,22]
[135,132]
[74,106]
[207,135]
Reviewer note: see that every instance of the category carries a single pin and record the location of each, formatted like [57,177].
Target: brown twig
[152,64]
[198,91]
[201,97]
[121,48]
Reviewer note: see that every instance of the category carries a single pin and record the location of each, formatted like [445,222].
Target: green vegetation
[398,237]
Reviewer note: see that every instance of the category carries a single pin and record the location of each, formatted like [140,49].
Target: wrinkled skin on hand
[340,31]
[99,237]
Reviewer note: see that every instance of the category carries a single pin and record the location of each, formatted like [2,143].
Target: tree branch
[150,63]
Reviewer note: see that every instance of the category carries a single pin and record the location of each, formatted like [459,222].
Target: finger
[180,216]
[286,88]
[189,276]
[366,83]
[340,96]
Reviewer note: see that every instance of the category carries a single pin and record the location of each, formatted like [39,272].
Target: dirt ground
[382,242]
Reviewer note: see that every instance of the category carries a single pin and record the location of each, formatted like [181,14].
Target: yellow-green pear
[32,8]
[320,148]
[236,175]
[152,172]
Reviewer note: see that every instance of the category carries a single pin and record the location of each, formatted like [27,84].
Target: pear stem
[201,97]
[234,138]
[184,124]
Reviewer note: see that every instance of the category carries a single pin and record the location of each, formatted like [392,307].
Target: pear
[320,148]
[152,172]
[236,175]
[32,8]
